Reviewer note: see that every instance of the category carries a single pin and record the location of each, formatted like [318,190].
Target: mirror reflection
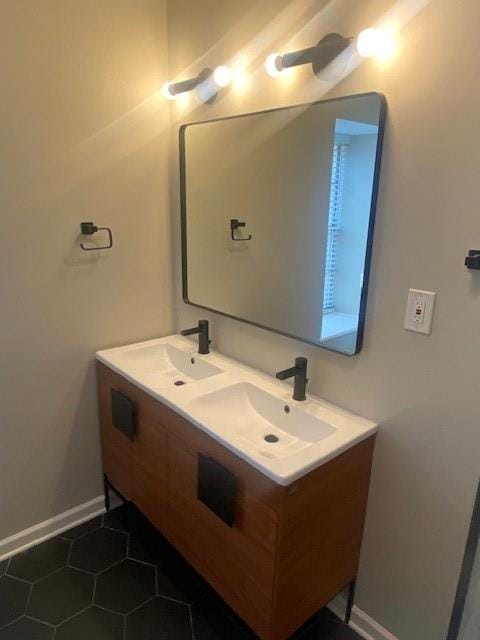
[277,213]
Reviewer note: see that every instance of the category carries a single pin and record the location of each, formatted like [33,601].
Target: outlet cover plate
[420,308]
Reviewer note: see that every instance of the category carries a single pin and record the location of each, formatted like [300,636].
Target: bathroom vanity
[263,495]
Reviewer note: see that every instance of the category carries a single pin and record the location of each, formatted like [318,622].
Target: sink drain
[179,383]
[271,438]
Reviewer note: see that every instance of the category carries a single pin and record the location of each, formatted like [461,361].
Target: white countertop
[140,364]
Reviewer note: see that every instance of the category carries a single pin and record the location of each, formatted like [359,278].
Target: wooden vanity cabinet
[289,551]
[136,466]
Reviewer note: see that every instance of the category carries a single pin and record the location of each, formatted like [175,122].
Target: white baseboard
[50,528]
[360,622]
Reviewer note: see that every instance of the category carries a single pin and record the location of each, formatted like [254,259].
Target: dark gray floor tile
[98,550]
[177,579]
[148,545]
[326,626]
[154,586]
[13,599]
[93,623]
[26,629]
[125,518]
[159,619]
[61,595]
[343,632]
[125,586]
[39,561]
[82,529]
[212,621]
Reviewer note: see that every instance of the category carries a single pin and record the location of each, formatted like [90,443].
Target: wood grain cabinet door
[237,560]
[149,491]
[116,445]
[134,446]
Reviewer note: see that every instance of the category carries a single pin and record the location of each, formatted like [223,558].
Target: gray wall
[422,390]
[82,138]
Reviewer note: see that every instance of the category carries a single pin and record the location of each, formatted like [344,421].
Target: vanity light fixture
[371,43]
[376,43]
[329,47]
[207,84]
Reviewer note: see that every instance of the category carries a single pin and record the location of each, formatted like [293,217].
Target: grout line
[192,627]
[27,603]
[186,604]
[140,605]
[82,535]
[90,573]
[149,564]
[100,606]
[69,555]
[74,616]
[94,589]
[99,573]
[8,575]
[104,526]
[48,624]
[9,624]
[49,574]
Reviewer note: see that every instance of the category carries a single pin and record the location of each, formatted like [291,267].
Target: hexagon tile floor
[116,578]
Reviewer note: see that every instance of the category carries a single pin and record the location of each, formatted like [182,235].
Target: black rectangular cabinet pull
[123,413]
[217,488]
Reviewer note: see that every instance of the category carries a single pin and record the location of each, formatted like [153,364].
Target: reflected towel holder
[88,229]
[237,224]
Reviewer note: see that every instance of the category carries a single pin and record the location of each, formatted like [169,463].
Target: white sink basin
[169,364]
[248,415]
[240,407]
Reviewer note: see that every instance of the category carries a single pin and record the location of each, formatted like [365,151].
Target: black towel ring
[237,224]
[88,229]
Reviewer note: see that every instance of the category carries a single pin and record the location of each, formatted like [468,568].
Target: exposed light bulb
[166,91]
[222,76]
[273,65]
[376,43]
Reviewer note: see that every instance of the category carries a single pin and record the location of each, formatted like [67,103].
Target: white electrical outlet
[420,306]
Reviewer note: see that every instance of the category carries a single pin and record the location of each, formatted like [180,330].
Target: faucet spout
[203,336]
[299,373]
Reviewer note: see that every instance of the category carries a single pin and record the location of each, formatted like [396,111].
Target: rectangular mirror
[277,217]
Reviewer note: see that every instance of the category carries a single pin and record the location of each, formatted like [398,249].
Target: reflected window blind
[334,216]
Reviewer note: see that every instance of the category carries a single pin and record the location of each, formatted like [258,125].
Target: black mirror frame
[373,208]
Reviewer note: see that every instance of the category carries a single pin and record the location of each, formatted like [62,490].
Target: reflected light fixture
[207,84]
[320,56]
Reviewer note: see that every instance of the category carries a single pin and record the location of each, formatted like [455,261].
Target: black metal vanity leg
[106,487]
[350,599]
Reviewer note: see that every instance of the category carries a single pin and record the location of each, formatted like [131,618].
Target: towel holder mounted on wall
[88,229]
[472,261]
[237,224]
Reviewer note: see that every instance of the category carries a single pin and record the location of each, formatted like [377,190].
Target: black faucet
[203,339]
[299,371]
